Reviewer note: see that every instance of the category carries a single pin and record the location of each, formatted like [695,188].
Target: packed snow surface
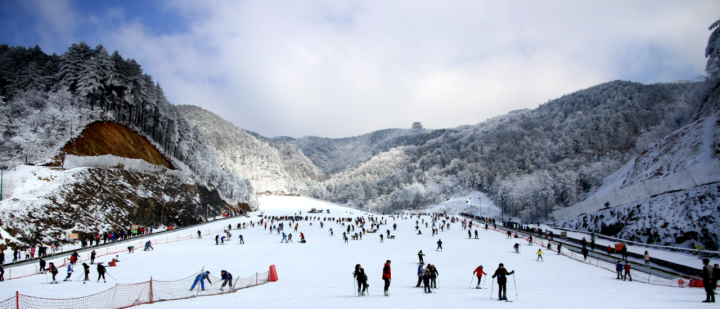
[318,274]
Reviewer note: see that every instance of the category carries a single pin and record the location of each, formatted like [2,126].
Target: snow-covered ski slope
[318,274]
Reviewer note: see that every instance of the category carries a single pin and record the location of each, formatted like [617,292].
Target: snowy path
[318,274]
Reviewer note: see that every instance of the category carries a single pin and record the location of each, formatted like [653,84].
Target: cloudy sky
[344,68]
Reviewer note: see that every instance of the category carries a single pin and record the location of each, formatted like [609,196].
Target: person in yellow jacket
[539,254]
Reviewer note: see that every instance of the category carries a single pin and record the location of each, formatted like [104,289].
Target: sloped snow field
[318,274]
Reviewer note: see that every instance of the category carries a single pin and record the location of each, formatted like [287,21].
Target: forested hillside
[269,165]
[528,161]
[48,99]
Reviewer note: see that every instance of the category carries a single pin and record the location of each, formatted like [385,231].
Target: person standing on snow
[627,272]
[420,256]
[101,272]
[618,269]
[54,271]
[242,241]
[439,247]
[501,273]
[199,234]
[201,278]
[476,234]
[42,265]
[92,257]
[387,277]
[539,254]
[426,281]
[433,275]
[479,272]
[647,258]
[359,275]
[517,247]
[69,271]
[86,267]
[227,279]
[420,273]
[284,238]
[469,234]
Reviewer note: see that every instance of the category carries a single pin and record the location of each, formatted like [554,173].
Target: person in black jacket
[361,278]
[433,275]
[426,281]
[86,267]
[226,276]
[101,272]
[501,273]
[708,282]
[54,271]
[420,256]
[42,265]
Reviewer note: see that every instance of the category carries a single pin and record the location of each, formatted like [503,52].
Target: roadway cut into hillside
[107,138]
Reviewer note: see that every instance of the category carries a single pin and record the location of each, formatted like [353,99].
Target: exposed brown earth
[103,138]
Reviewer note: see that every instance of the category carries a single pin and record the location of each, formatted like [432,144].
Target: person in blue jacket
[619,269]
[227,279]
[420,273]
[439,243]
[284,238]
[201,278]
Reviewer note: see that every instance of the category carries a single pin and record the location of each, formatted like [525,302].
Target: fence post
[17,300]
[256,278]
[151,291]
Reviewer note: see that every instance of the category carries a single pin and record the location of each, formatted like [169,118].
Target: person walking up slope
[501,273]
[387,277]
[479,272]
[420,273]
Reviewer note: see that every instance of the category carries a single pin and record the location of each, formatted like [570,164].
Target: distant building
[417,125]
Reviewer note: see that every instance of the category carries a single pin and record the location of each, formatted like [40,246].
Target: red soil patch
[103,138]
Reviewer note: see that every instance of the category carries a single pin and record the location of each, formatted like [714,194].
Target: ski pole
[484,281]
[353,285]
[515,284]
[492,285]
[110,275]
[471,281]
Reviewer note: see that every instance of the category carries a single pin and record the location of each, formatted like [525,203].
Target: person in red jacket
[479,271]
[386,277]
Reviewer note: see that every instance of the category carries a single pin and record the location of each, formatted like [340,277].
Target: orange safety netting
[128,295]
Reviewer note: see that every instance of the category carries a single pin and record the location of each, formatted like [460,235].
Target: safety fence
[636,276]
[148,292]
[122,246]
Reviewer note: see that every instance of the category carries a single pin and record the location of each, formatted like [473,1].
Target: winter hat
[706,261]
[501,264]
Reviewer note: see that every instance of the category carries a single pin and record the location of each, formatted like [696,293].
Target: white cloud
[339,69]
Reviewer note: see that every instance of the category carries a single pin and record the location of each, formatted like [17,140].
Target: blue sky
[342,68]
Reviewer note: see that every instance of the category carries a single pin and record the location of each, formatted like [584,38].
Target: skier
[469,234]
[42,265]
[331,232]
[148,247]
[289,237]
[387,277]
[222,240]
[284,238]
[217,239]
[361,278]
[201,278]
[92,257]
[86,267]
[420,273]
[509,234]
[530,240]
[433,275]
[502,274]
[479,271]
[101,272]
[241,239]
[539,254]
[54,271]
[517,247]
[476,234]
[426,282]
[199,234]
[69,271]
[381,237]
[439,243]
[420,256]
[618,269]
[227,279]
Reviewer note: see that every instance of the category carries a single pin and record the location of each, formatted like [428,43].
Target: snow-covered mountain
[335,154]
[270,165]
[682,206]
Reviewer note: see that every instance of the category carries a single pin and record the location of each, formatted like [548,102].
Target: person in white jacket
[69,271]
